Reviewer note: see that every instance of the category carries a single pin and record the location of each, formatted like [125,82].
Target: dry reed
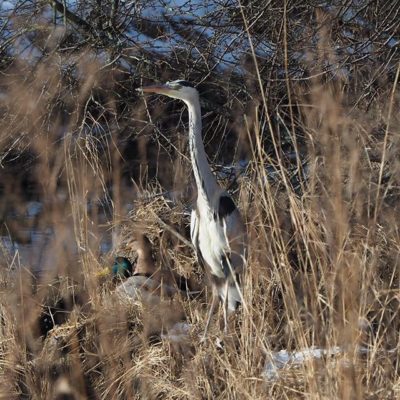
[323,265]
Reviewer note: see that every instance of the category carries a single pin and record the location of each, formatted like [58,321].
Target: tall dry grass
[323,264]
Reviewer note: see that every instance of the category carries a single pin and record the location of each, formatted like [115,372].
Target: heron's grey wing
[226,206]
[235,233]
[233,261]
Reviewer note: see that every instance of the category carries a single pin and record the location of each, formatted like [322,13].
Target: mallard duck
[148,281]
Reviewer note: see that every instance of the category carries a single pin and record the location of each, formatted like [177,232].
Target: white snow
[283,358]
[6,6]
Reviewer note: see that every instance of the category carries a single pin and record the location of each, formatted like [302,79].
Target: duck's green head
[122,268]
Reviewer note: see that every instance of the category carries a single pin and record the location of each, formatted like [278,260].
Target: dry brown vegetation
[320,197]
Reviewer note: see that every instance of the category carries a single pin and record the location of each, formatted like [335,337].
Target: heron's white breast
[213,243]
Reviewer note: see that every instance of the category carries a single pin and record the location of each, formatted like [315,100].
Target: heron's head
[179,89]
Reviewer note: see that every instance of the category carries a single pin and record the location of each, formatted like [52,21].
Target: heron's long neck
[205,180]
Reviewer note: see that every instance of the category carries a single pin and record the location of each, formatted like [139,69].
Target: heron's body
[217,230]
[219,241]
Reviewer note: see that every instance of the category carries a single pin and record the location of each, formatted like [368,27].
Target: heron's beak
[160,89]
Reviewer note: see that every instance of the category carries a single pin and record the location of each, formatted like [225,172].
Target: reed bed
[323,258]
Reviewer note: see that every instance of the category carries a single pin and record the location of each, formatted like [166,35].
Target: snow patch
[283,358]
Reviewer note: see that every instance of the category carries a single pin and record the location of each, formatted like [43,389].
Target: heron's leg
[225,306]
[210,312]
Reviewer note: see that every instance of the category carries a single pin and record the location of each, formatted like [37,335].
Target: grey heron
[217,230]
